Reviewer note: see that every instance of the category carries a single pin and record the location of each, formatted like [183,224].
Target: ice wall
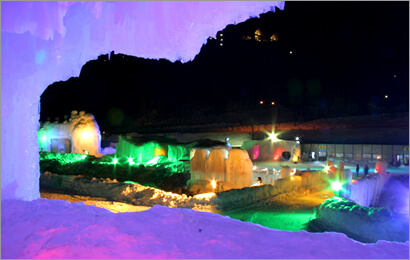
[142,152]
[268,150]
[366,191]
[43,42]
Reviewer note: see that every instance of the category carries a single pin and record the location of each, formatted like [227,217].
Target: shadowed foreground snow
[58,229]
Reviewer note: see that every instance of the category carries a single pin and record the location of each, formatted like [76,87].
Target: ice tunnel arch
[44,42]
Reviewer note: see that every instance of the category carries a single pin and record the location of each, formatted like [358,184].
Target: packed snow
[58,229]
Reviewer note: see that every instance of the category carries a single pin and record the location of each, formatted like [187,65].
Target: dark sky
[345,57]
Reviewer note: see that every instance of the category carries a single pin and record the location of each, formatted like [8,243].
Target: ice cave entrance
[44,42]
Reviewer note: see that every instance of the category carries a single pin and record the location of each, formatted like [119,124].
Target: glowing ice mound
[43,42]
[361,223]
[80,134]
[147,149]
[230,169]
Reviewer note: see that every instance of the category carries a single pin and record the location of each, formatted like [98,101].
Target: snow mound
[361,223]
[58,229]
[127,192]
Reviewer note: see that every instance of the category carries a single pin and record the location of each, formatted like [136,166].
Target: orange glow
[277,154]
[261,102]
[295,178]
[213,183]
[159,151]
[273,103]
[86,134]
[206,196]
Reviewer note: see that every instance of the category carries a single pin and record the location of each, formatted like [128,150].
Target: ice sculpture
[43,42]
[366,191]
[232,169]
[81,135]
[239,168]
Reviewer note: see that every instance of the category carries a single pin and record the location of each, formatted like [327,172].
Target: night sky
[327,59]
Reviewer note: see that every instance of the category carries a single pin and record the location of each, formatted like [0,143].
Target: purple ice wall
[44,42]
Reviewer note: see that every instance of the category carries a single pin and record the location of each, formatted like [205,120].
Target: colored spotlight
[115,161]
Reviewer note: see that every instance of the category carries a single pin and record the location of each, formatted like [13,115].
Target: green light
[130,161]
[336,185]
[115,161]
[64,159]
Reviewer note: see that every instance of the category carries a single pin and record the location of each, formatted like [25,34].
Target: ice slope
[58,229]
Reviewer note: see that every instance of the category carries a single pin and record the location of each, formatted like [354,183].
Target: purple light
[44,42]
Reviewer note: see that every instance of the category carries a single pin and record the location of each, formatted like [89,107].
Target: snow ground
[58,229]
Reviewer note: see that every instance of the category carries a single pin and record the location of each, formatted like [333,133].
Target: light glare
[213,183]
[336,185]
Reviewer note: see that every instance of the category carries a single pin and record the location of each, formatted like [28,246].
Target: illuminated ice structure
[264,150]
[43,42]
[151,149]
[219,170]
[356,210]
[80,135]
